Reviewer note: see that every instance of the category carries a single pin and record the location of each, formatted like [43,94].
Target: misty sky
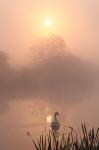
[19,25]
[59,72]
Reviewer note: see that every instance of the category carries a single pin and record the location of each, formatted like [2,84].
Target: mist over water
[54,75]
[54,80]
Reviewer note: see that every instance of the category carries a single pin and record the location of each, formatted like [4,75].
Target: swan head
[56,114]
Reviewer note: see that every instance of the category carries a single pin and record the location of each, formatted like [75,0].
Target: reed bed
[82,139]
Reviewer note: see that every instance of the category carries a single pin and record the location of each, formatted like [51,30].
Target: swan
[55,124]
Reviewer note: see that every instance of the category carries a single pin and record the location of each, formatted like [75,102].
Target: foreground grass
[83,139]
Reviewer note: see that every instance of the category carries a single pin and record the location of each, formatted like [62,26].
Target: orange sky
[76,21]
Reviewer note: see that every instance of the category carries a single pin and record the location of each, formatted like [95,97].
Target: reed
[82,139]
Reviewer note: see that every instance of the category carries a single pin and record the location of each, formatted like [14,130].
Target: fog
[42,74]
[54,79]
[54,75]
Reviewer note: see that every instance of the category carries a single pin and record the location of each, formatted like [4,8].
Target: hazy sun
[48,22]
[47,25]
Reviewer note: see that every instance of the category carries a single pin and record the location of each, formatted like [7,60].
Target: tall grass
[82,139]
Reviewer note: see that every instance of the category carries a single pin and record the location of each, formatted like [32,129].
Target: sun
[47,25]
[48,22]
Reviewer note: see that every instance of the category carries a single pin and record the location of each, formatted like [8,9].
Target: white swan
[55,124]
